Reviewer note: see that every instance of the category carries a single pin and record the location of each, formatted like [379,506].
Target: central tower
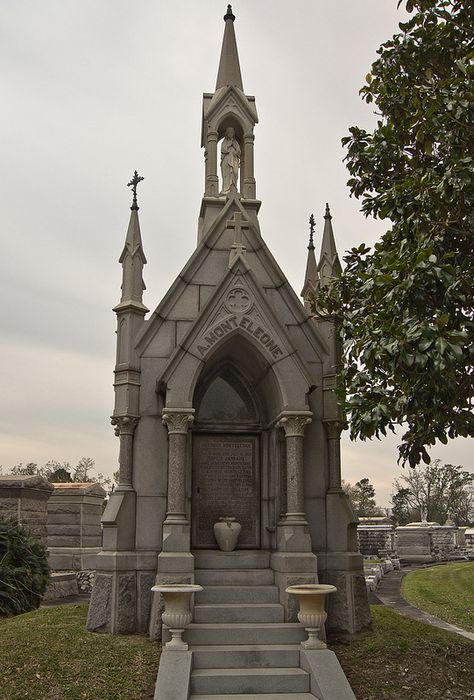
[225,404]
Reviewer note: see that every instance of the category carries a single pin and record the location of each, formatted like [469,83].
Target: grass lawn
[48,655]
[445,591]
[407,659]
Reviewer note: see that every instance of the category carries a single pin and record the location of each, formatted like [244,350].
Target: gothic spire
[133,257]
[311,278]
[229,66]
[329,265]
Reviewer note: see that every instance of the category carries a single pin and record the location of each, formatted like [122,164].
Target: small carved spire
[311,278]
[312,224]
[229,66]
[329,265]
[133,184]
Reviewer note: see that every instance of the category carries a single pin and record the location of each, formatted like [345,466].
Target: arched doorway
[226,459]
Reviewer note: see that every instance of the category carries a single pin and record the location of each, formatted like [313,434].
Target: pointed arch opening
[233,399]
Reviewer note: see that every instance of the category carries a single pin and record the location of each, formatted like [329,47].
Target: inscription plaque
[225,483]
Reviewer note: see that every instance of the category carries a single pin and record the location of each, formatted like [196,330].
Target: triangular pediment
[230,96]
[238,307]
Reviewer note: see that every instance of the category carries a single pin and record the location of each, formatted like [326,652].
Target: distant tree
[81,471]
[62,472]
[362,497]
[29,469]
[406,308]
[402,512]
[437,489]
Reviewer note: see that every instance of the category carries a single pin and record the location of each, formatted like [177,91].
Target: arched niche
[224,401]
[233,400]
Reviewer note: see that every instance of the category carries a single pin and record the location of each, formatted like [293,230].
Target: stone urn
[177,613]
[312,614]
[227,532]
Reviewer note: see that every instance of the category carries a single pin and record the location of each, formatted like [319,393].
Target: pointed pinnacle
[229,14]
[327,215]
[312,224]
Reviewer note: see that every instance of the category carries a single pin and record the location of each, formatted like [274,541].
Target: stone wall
[427,541]
[24,499]
[74,529]
[374,535]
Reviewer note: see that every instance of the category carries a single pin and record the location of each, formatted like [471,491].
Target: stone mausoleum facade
[225,402]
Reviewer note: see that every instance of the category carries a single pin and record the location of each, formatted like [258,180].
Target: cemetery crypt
[225,403]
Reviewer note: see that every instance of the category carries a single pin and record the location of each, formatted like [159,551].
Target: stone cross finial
[238,247]
[312,224]
[133,184]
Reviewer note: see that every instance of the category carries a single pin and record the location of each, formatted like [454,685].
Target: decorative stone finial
[312,224]
[327,215]
[133,184]
[228,14]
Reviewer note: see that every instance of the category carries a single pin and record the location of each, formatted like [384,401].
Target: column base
[291,569]
[176,536]
[293,535]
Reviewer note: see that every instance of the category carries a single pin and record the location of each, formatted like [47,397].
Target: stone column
[124,429]
[294,425]
[177,421]
[248,189]
[212,181]
[294,561]
[333,430]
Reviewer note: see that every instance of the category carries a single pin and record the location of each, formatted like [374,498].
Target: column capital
[178,420]
[334,428]
[294,422]
[124,425]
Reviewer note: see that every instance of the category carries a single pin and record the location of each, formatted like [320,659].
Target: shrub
[24,572]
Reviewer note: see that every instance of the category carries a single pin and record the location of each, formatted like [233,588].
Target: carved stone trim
[334,428]
[178,420]
[124,425]
[294,424]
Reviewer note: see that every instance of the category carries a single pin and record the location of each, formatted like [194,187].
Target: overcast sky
[91,90]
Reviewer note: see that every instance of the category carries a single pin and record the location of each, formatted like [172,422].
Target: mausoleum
[225,406]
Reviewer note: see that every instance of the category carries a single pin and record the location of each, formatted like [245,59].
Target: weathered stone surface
[126,604]
[144,585]
[61,585]
[24,498]
[99,615]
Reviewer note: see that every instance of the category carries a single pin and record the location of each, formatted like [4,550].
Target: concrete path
[388,594]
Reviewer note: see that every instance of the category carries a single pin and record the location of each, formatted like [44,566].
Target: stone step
[222,681]
[258,696]
[237,594]
[238,559]
[242,633]
[234,577]
[263,612]
[246,656]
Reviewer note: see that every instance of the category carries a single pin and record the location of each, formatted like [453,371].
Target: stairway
[242,648]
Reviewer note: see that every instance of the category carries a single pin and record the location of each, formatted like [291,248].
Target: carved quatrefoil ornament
[238,301]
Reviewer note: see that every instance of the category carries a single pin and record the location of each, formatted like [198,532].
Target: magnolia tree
[406,307]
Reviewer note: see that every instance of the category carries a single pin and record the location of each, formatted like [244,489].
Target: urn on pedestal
[311,598]
[177,614]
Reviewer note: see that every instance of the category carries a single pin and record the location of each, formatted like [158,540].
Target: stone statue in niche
[230,160]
